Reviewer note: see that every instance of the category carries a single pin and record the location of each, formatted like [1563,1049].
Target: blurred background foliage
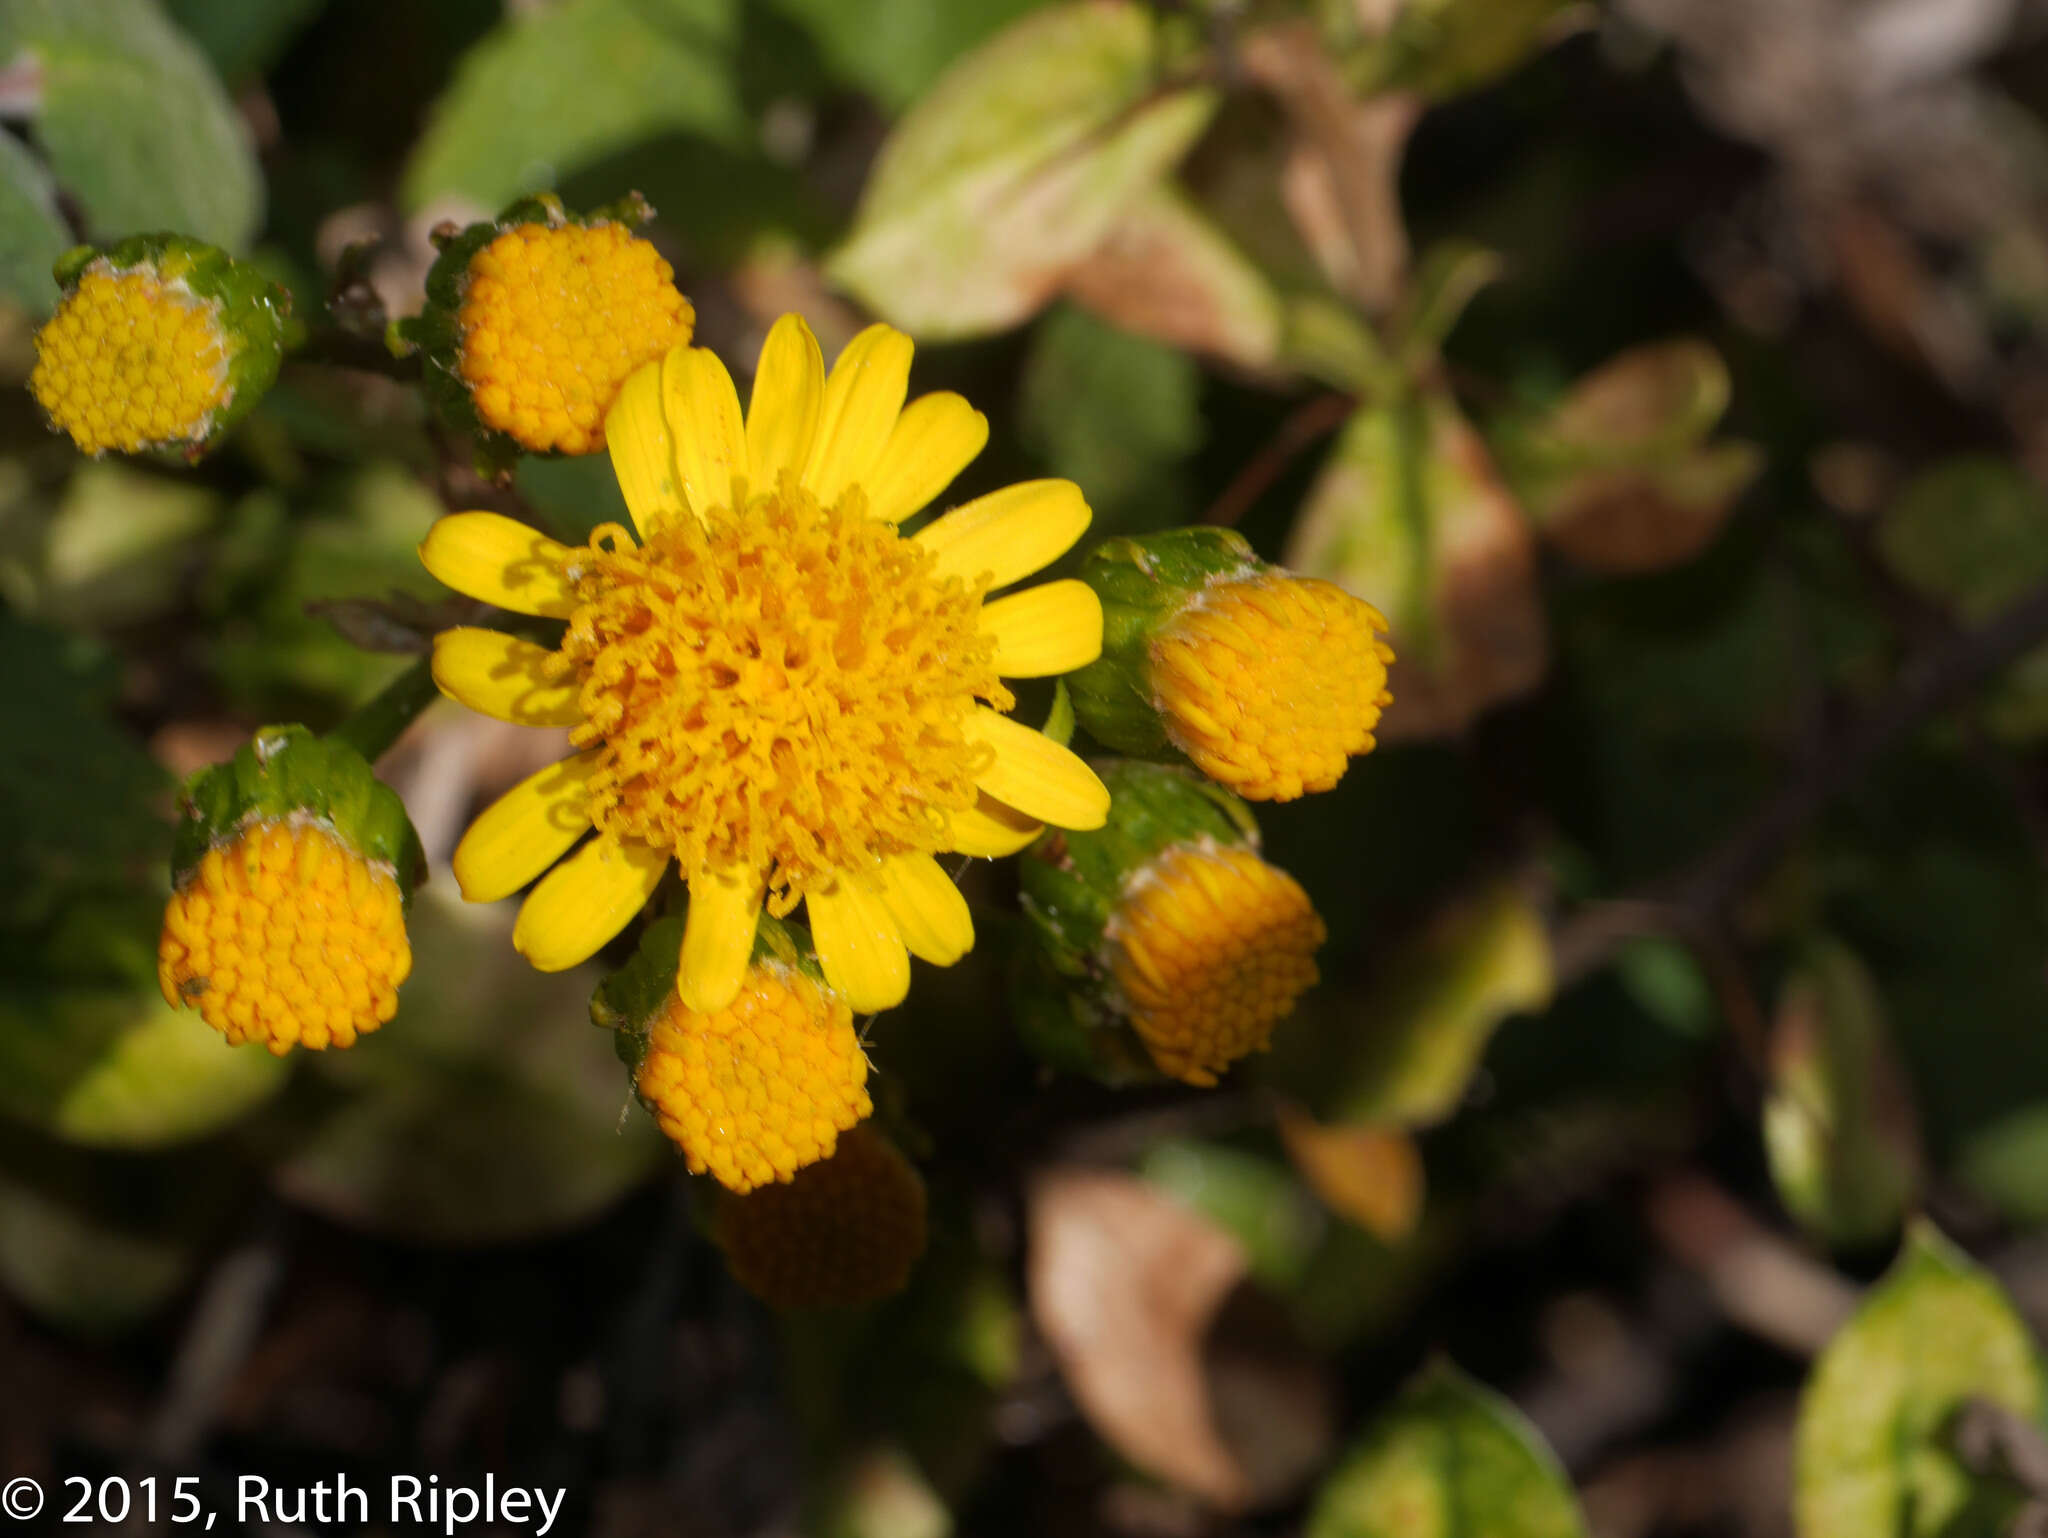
[1673,373]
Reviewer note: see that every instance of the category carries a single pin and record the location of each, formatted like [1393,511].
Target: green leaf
[1254,1199]
[1450,47]
[32,232]
[485,1111]
[894,49]
[78,812]
[1450,1459]
[551,90]
[1838,1125]
[134,121]
[1871,1448]
[1425,1027]
[1014,167]
[1115,413]
[1971,533]
[119,547]
[110,1069]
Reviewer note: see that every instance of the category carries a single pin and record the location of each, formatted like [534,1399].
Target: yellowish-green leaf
[1014,167]
[1872,1450]
[109,1068]
[1838,1125]
[1450,1459]
[1450,47]
[1423,1030]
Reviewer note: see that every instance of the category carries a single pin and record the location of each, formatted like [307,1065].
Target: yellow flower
[845,1232]
[131,362]
[288,937]
[554,317]
[1271,684]
[759,1089]
[1209,948]
[775,688]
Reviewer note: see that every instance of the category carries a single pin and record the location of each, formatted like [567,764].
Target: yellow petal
[1036,775]
[935,439]
[586,900]
[990,830]
[862,399]
[930,913]
[703,411]
[502,676]
[859,947]
[525,830]
[643,452]
[1052,628]
[501,561]
[789,391]
[1008,534]
[718,937]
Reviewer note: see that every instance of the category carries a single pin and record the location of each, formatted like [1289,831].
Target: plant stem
[378,724]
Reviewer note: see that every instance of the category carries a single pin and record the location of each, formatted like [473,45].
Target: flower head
[774,687]
[1210,948]
[154,344]
[757,1090]
[1165,925]
[1267,682]
[291,875]
[535,319]
[288,937]
[845,1232]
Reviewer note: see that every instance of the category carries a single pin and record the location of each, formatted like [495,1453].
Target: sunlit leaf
[1014,167]
[1450,1459]
[1838,1125]
[135,123]
[552,89]
[1422,1030]
[1872,1451]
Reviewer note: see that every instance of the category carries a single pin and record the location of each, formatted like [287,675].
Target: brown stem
[1308,422]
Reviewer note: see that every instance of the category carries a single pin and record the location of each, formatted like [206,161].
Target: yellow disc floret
[131,362]
[762,1088]
[1210,948]
[1271,684]
[553,319]
[787,690]
[288,937]
[843,1233]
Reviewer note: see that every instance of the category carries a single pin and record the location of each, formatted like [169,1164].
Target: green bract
[283,772]
[436,332]
[1072,884]
[628,1002]
[253,313]
[1144,584]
